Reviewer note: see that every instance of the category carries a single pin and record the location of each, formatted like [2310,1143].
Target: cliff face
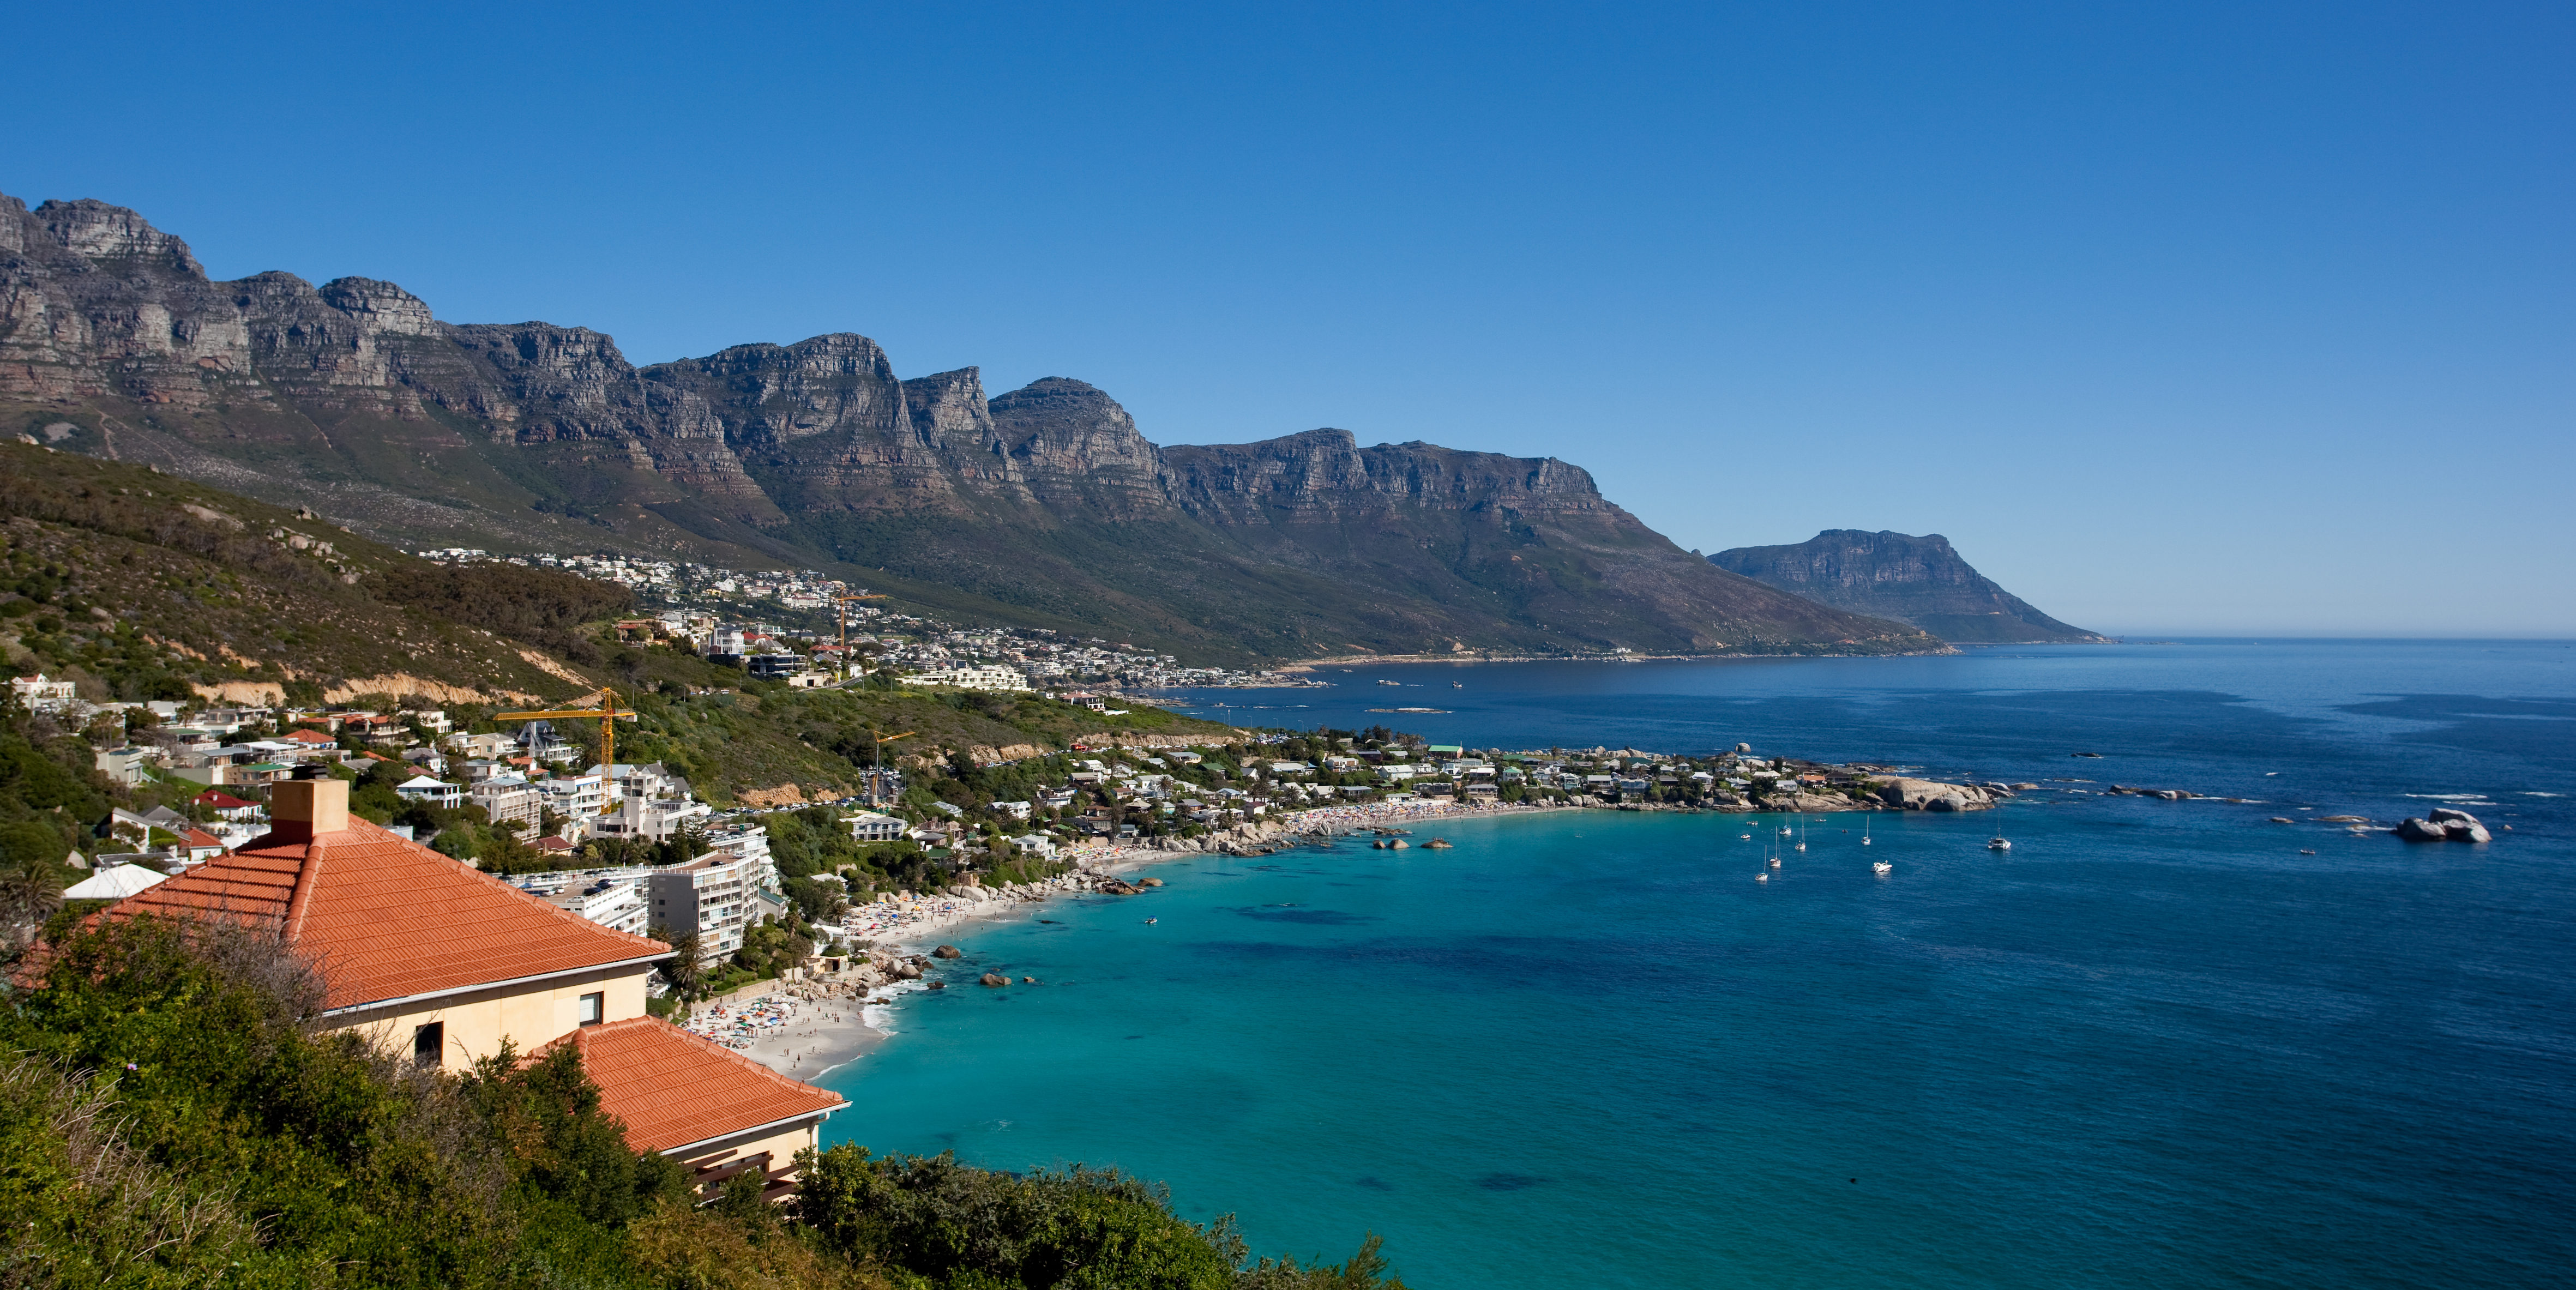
[1918,580]
[1045,504]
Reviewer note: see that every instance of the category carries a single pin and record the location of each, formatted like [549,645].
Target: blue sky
[2224,318]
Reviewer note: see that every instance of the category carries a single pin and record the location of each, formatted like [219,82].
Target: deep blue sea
[2153,1045]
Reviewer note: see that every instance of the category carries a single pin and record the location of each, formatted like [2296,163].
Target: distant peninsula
[1920,581]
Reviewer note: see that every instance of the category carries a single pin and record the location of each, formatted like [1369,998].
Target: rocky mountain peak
[948,410]
[1919,580]
[94,230]
[380,306]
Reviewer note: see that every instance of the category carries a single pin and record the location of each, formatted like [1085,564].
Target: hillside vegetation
[171,1114]
[140,586]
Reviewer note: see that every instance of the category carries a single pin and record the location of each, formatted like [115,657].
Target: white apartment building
[710,896]
[508,797]
[870,826]
[991,676]
[578,797]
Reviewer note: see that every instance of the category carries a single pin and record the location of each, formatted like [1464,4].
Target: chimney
[298,809]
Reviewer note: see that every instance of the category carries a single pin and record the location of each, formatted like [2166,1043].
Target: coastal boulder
[1920,794]
[2415,830]
[2460,826]
[948,952]
[993,978]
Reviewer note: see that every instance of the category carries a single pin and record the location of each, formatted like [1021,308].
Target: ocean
[2153,1044]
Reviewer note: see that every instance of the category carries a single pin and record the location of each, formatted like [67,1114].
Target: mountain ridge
[1045,505]
[1922,580]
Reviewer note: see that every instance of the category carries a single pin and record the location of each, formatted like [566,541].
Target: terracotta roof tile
[388,918]
[673,1088]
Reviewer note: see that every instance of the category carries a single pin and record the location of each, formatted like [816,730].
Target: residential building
[428,958]
[41,695]
[422,788]
[869,826]
[228,807]
[508,797]
[575,797]
[125,765]
[974,677]
[710,897]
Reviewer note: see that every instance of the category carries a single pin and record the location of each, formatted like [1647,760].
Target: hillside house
[431,959]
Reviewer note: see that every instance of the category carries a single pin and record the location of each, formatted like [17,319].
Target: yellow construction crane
[877,781]
[608,714]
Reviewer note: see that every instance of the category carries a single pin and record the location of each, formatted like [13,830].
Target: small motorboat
[1151,921]
[2305,852]
[1880,867]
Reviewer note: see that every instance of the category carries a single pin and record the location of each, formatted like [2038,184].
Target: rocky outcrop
[2444,825]
[1918,580]
[1934,795]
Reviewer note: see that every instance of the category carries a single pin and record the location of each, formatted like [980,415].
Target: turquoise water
[2153,1044]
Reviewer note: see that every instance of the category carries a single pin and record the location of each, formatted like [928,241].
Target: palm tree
[686,975]
[30,892]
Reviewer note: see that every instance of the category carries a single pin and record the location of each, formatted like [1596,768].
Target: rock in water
[947,952]
[993,978]
[2415,830]
[2460,826]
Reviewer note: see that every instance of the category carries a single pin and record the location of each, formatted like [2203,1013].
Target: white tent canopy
[115,884]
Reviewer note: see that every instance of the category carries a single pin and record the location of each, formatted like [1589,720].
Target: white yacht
[1880,867]
[1999,843]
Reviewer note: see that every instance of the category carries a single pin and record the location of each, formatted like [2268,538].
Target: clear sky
[2174,317]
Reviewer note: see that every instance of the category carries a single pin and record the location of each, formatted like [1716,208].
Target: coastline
[807,1029]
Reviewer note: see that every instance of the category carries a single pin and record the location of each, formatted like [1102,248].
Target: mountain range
[1044,506]
[1918,580]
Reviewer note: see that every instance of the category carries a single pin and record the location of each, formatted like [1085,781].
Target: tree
[683,970]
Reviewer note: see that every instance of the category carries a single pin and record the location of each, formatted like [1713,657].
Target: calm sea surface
[2154,1045]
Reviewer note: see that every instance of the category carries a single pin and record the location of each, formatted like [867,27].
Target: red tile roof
[220,800]
[388,918]
[673,1088]
[306,737]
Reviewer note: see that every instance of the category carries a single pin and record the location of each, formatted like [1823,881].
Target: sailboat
[1999,842]
[1864,830]
[1802,833]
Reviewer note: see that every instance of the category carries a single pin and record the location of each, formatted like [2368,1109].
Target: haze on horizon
[2175,319]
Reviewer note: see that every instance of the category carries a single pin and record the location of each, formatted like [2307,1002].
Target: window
[592,1006]
[428,1043]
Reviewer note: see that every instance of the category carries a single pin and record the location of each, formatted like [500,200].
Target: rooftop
[673,1089]
[387,918]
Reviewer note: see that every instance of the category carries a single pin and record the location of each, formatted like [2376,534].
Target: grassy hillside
[138,585]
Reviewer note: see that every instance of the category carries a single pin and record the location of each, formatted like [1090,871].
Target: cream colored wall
[527,1015]
[781,1144]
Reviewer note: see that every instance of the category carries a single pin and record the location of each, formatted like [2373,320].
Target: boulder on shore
[1922,794]
[947,952]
